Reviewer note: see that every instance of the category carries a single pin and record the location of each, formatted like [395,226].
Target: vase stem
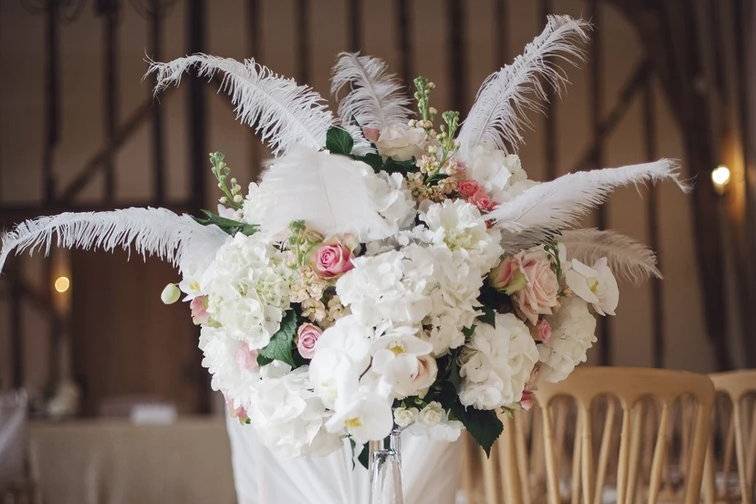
[386,470]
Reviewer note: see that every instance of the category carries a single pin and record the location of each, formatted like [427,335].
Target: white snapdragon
[497,363]
[572,334]
[248,289]
[595,285]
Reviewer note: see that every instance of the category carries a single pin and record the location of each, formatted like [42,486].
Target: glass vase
[385,458]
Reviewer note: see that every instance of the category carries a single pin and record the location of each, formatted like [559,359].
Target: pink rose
[198,306]
[543,331]
[332,259]
[427,369]
[527,400]
[483,201]
[506,277]
[246,357]
[467,188]
[541,291]
[307,336]
[371,134]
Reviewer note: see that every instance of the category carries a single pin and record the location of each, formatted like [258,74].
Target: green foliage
[229,187]
[230,226]
[339,141]
[281,346]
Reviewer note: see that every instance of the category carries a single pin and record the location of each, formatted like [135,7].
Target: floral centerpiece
[394,267]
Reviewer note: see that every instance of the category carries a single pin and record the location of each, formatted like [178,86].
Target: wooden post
[354,15]
[404,47]
[155,16]
[455,17]
[197,107]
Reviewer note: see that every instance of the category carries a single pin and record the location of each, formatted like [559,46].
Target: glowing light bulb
[62,284]
[720,177]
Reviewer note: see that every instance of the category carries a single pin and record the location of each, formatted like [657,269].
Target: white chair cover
[13,435]
[430,473]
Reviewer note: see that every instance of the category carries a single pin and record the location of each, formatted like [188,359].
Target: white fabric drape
[13,434]
[430,473]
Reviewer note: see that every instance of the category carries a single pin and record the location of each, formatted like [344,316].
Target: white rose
[595,285]
[433,422]
[405,416]
[572,334]
[401,142]
[432,414]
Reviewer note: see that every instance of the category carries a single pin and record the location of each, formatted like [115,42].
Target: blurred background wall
[79,129]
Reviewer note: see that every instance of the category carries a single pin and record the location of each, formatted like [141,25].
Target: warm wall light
[62,284]
[720,177]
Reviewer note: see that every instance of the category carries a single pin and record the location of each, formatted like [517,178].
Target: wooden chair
[735,419]
[631,389]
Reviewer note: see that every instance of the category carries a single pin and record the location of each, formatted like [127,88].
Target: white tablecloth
[116,462]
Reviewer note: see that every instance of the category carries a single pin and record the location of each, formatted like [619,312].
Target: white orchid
[595,285]
[399,360]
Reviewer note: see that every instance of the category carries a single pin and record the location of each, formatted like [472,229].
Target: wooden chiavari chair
[735,422]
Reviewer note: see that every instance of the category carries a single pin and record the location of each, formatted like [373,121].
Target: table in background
[117,462]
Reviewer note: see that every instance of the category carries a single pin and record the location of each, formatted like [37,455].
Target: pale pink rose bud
[527,400]
[246,357]
[483,201]
[541,291]
[467,188]
[307,336]
[371,134]
[198,306]
[543,331]
[507,277]
[332,259]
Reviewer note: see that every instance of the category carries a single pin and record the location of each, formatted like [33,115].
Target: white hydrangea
[393,200]
[460,226]
[247,286]
[573,331]
[386,287]
[288,416]
[497,363]
[499,173]
[231,365]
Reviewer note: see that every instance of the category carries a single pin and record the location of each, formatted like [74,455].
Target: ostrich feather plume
[149,231]
[334,195]
[507,95]
[283,113]
[375,98]
[626,257]
[560,203]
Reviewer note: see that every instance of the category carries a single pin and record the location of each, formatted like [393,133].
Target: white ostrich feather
[335,195]
[507,95]
[626,256]
[149,231]
[375,98]
[283,113]
[560,203]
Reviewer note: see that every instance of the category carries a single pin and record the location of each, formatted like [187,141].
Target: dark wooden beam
[455,29]
[302,17]
[95,164]
[254,24]
[197,106]
[52,95]
[155,20]
[500,27]
[108,9]
[595,108]
[652,216]
[16,325]
[354,18]
[550,116]
[404,41]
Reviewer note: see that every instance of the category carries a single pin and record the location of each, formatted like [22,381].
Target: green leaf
[339,141]
[483,425]
[230,226]
[363,456]
[371,158]
[403,167]
[488,316]
[281,343]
